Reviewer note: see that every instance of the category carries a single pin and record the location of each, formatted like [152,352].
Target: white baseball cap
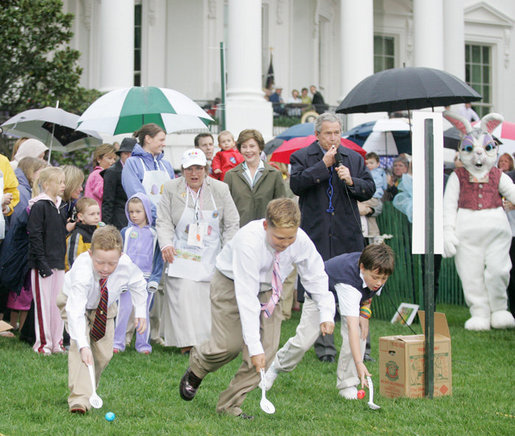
[194,156]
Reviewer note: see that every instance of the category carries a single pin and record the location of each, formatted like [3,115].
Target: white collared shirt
[248,260]
[349,298]
[81,285]
[246,172]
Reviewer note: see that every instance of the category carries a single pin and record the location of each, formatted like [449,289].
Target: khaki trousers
[102,350]
[288,293]
[346,372]
[226,343]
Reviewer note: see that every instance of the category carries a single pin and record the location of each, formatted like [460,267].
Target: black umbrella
[414,88]
[406,88]
[271,145]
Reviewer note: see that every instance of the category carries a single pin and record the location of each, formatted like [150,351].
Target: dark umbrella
[451,138]
[271,145]
[414,88]
[406,88]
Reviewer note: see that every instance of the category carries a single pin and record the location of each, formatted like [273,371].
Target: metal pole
[222,77]
[429,272]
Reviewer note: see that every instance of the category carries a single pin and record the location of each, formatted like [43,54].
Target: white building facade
[332,44]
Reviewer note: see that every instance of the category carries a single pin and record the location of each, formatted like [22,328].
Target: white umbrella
[386,137]
[53,126]
[126,110]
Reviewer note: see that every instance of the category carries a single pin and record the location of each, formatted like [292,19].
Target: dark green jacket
[251,202]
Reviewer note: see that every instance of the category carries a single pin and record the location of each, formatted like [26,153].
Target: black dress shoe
[189,385]
[327,358]
[245,416]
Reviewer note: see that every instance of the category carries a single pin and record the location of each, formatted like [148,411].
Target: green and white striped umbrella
[126,110]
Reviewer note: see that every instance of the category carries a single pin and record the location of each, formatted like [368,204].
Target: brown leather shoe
[189,385]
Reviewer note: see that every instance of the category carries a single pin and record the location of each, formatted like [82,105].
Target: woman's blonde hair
[45,176]
[73,178]
[101,151]
[29,166]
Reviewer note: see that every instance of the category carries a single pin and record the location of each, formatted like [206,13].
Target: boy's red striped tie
[98,329]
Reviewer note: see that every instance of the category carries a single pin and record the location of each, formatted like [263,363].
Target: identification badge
[196,234]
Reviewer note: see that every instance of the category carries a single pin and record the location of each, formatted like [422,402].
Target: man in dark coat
[318,100]
[329,180]
[113,203]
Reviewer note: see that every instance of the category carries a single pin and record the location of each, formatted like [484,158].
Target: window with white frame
[384,53]
[478,74]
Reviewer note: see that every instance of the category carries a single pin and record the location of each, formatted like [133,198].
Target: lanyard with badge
[196,229]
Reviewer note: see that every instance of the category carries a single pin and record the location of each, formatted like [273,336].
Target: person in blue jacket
[146,171]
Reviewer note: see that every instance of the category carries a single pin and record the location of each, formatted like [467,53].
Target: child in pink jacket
[103,158]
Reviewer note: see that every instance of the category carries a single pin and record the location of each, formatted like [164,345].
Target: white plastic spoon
[371,403]
[265,404]
[94,400]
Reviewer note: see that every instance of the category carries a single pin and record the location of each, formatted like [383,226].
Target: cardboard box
[401,362]
[5,326]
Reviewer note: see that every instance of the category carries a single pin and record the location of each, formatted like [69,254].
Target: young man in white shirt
[103,271]
[244,291]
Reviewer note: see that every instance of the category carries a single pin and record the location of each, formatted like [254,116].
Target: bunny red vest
[479,196]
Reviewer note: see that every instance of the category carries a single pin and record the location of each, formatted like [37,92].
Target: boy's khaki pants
[102,350]
[226,343]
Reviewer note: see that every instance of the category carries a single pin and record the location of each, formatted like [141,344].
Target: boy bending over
[245,290]
[356,278]
[93,284]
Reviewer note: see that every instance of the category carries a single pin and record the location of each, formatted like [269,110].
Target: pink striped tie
[98,329]
[277,288]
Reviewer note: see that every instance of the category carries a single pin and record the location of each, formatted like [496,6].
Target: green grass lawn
[143,393]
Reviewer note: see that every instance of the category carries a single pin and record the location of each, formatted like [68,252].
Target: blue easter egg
[110,416]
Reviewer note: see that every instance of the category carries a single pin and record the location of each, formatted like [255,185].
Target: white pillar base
[249,114]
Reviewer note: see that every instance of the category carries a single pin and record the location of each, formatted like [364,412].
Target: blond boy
[245,289]
[103,271]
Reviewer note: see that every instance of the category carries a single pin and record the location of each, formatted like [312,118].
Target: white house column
[428,33]
[357,47]
[454,36]
[246,107]
[117,48]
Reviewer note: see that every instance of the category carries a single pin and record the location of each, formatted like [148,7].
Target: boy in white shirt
[93,284]
[245,289]
[356,278]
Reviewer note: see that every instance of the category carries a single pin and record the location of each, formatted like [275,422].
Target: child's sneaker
[270,376]
[350,393]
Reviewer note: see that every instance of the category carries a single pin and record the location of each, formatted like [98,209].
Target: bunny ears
[488,123]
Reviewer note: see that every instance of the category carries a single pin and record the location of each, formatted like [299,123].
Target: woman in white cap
[195,217]
[29,148]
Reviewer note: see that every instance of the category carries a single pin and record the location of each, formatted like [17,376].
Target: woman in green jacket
[253,183]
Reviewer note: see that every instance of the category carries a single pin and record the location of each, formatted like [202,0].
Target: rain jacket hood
[147,206]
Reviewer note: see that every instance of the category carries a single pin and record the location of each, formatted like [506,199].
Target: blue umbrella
[302,129]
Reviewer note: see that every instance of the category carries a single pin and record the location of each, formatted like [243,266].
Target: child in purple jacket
[140,244]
